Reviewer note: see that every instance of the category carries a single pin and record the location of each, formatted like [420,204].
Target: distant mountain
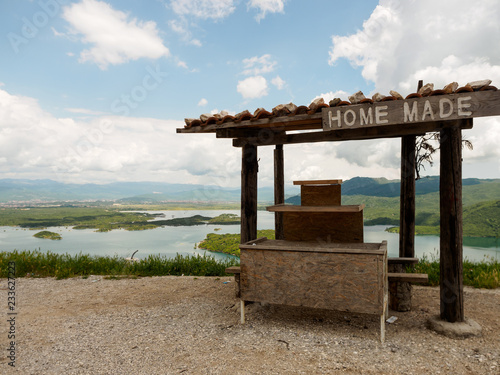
[381,187]
[49,191]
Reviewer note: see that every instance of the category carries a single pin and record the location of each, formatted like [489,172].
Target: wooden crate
[345,277]
[322,223]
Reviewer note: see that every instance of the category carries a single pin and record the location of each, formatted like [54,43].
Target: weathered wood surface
[416,110]
[408,277]
[296,208]
[315,246]
[297,122]
[249,169]
[391,131]
[339,281]
[317,182]
[279,190]
[407,197]
[320,195]
[451,249]
[406,260]
[323,226]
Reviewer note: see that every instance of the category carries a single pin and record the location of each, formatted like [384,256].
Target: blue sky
[92,91]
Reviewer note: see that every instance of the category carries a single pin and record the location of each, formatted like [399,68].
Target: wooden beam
[407,198]
[357,134]
[296,208]
[318,182]
[249,169]
[279,190]
[451,251]
[298,122]
[449,107]
[408,277]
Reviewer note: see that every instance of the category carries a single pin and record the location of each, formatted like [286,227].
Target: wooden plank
[317,246]
[320,195]
[279,190]
[345,282]
[323,226]
[451,249]
[395,260]
[233,269]
[416,110]
[408,277]
[390,131]
[296,208]
[249,168]
[298,122]
[318,182]
[407,197]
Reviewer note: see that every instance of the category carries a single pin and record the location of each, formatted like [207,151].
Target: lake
[169,241]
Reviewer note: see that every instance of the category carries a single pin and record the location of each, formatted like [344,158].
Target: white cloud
[252,87]
[35,144]
[402,38]
[278,82]
[403,42]
[85,111]
[332,95]
[258,65]
[114,36]
[267,6]
[214,9]
[203,102]
[180,27]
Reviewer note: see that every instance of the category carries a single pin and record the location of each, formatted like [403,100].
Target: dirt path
[187,325]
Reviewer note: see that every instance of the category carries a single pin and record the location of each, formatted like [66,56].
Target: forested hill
[489,189]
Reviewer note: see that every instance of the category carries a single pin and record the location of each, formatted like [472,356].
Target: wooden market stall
[447,111]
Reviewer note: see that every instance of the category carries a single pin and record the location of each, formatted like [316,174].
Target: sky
[92,91]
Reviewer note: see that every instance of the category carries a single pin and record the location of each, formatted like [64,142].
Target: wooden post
[407,199]
[279,190]
[450,195]
[407,196]
[249,169]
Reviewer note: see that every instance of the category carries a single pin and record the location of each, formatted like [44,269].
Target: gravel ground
[189,325]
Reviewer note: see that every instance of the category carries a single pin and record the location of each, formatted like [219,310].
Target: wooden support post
[407,199]
[450,195]
[279,190]
[249,169]
[242,312]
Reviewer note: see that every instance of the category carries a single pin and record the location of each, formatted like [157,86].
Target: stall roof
[292,117]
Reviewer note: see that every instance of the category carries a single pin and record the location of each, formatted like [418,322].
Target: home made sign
[415,110]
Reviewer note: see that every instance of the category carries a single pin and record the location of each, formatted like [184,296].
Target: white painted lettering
[381,111]
[427,111]
[462,105]
[410,116]
[449,103]
[353,115]
[366,119]
[337,118]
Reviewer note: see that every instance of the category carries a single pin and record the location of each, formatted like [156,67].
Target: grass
[48,264]
[483,274]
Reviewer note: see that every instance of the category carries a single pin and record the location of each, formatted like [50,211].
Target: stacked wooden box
[322,261]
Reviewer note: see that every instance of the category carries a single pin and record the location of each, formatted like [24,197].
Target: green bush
[39,264]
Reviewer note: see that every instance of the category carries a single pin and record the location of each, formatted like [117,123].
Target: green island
[229,243]
[48,235]
[101,219]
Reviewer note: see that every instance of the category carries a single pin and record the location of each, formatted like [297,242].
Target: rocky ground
[189,325]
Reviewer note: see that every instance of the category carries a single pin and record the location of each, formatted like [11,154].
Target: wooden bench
[348,277]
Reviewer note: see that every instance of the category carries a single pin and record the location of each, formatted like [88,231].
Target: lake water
[169,241]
